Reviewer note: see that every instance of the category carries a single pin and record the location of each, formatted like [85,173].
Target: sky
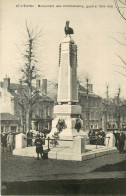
[95,24]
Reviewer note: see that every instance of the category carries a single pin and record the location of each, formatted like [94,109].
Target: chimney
[38,83]
[90,88]
[44,86]
[6,83]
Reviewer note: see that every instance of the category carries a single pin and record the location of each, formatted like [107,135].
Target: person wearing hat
[39,146]
[10,142]
[117,136]
[121,141]
[78,124]
[4,141]
[101,137]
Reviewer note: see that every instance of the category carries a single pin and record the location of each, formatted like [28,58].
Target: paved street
[19,169]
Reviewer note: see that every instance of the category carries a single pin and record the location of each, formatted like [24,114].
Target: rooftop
[8,116]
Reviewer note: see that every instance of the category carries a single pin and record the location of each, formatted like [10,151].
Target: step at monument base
[66,153]
[62,153]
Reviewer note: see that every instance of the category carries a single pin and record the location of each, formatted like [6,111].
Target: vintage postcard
[63,97]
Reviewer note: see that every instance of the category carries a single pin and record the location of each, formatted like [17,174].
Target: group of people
[31,135]
[97,137]
[119,140]
[7,142]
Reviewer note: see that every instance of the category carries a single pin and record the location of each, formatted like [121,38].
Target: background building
[97,112]
[13,111]
[91,108]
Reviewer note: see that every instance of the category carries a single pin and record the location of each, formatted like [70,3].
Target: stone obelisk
[67,107]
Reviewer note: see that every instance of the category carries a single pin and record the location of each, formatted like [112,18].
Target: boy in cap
[39,148]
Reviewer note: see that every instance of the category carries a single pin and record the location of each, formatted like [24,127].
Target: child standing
[39,147]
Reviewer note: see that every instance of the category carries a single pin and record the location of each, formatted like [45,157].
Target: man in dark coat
[4,141]
[116,134]
[39,148]
[78,124]
[91,135]
[121,141]
[29,138]
[10,141]
[101,137]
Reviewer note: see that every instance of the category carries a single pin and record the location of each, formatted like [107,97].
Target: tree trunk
[28,120]
[104,122]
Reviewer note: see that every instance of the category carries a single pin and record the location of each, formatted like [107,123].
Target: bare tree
[29,95]
[121,6]
[84,80]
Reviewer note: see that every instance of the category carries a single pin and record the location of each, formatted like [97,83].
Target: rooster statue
[68,30]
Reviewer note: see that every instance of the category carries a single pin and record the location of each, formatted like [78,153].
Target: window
[113,126]
[13,128]
[33,115]
[41,113]
[96,126]
[47,110]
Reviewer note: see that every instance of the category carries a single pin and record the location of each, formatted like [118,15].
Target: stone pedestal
[79,145]
[69,113]
[67,83]
[67,108]
[110,142]
[20,141]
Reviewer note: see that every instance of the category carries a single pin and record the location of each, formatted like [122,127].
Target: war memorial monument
[72,144]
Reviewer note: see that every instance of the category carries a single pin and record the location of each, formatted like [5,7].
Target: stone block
[16,152]
[112,150]
[110,140]
[78,144]
[87,156]
[21,141]
[101,153]
[67,109]
[77,157]
[52,155]
[64,156]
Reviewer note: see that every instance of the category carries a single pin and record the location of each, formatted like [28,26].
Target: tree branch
[121,73]
[117,41]
[121,59]
[117,7]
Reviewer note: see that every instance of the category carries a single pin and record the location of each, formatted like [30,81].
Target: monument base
[67,153]
[67,135]
[69,114]
[62,153]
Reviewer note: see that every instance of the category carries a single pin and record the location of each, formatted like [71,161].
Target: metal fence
[53,139]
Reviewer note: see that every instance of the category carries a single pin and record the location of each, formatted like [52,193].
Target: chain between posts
[49,139]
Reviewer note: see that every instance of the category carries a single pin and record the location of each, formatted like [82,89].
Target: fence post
[48,142]
[96,142]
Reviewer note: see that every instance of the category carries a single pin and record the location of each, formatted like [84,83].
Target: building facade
[91,108]
[98,113]
[12,113]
